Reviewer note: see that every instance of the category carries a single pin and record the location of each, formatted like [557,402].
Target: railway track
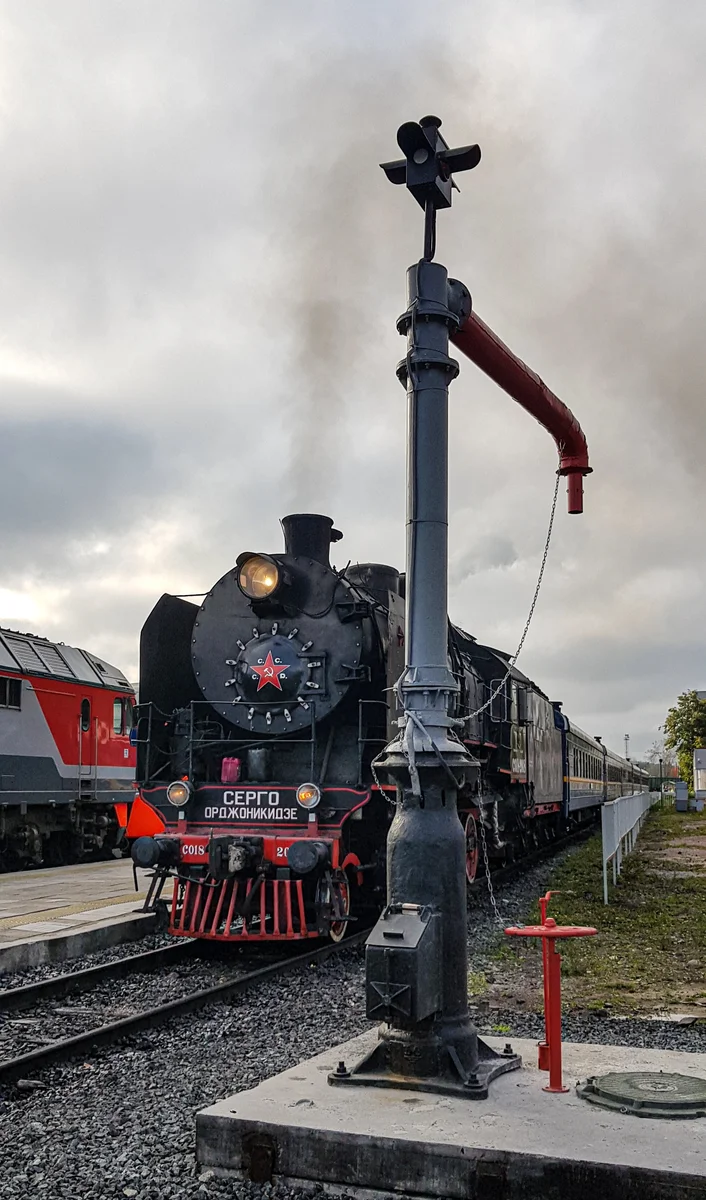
[58,986]
[22,1066]
[14,1000]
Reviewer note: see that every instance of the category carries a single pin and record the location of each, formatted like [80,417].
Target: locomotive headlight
[178,793]
[308,795]
[258,576]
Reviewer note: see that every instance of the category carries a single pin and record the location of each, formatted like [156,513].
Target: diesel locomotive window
[128,720]
[10,693]
[117,715]
[85,715]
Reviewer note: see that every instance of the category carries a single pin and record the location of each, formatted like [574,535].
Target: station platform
[62,912]
[520,1144]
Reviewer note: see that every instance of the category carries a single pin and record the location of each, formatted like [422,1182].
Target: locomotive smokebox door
[402,963]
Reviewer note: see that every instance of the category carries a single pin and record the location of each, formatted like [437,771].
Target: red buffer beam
[496,360]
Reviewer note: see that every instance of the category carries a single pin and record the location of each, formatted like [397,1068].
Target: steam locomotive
[261,714]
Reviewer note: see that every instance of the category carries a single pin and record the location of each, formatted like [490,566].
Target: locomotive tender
[66,763]
[261,714]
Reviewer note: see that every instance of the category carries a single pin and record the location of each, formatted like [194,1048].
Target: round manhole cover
[647,1093]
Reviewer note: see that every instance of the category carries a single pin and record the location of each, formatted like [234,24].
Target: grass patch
[651,939]
[477,983]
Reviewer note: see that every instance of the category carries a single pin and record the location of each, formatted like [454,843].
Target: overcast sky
[202,265]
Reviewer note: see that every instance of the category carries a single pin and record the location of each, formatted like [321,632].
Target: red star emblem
[269,672]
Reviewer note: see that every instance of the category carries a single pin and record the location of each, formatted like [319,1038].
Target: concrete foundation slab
[520,1144]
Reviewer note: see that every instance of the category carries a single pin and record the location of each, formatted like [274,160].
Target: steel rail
[104,1035]
[17,998]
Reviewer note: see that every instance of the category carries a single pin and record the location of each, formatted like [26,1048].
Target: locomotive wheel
[472,848]
[338,897]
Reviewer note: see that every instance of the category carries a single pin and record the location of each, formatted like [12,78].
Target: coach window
[117,715]
[85,715]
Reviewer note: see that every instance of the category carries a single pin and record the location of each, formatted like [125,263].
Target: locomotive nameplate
[254,805]
[270,805]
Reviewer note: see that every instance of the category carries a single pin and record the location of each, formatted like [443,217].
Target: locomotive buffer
[416,957]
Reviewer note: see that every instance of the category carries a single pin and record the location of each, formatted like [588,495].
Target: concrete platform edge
[264,1152]
[60,947]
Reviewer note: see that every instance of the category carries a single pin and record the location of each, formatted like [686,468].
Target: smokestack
[309,535]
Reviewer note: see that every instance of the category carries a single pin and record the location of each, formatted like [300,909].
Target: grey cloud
[66,479]
[197,242]
[489,553]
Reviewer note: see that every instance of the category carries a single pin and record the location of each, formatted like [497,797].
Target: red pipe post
[552,1016]
[476,340]
[550,932]
[543,1047]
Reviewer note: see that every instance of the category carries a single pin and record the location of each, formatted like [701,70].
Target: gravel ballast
[151,941]
[122,1124]
[56,1019]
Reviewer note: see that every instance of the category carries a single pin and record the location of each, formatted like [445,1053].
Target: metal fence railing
[621,822]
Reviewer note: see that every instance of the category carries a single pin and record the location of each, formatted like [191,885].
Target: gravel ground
[122,1124]
[110,1001]
[655,1035]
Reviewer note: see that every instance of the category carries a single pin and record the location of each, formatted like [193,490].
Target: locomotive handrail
[362,740]
[193,742]
[479,343]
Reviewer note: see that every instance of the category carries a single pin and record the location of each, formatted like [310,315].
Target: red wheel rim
[471,830]
[338,928]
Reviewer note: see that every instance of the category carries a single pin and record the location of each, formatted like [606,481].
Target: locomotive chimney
[309,535]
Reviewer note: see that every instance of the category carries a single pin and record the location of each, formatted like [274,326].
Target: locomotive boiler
[261,714]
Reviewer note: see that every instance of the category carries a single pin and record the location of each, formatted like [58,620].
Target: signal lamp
[258,576]
[308,795]
[178,793]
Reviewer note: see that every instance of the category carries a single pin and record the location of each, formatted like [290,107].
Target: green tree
[684,731]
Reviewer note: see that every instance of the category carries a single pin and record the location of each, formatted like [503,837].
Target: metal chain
[470,716]
[375,777]
[491,893]
[528,622]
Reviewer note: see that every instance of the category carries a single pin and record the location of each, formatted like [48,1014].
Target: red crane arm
[486,350]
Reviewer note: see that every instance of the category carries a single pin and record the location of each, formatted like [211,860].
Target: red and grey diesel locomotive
[66,763]
[261,713]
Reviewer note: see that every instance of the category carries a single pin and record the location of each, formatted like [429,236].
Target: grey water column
[416,957]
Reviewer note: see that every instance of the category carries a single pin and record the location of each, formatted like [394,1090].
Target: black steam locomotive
[261,714]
